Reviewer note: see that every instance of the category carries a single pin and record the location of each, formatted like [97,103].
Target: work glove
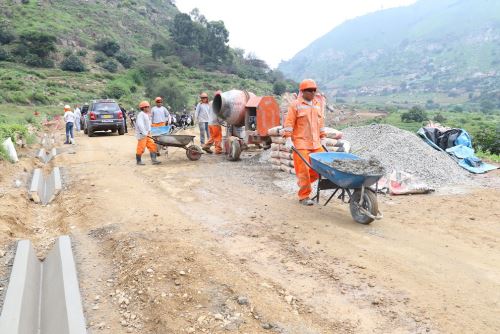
[289,143]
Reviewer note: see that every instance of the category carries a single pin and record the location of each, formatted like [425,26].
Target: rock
[371,285]
[242,300]
[95,307]
[96,298]
[176,282]
[101,325]
[150,271]
[2,253]
[218,316]
[182,273]
[289,299]
[267,325]
[190,330]
[201,319]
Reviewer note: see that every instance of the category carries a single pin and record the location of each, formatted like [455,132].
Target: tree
[487,106]
[35,47]
[415,114]
[160,50]
[279,87]
[110,65]
[108,46]
[170,90]
[7,35]
[184,31]
[114,91]
[488,139]
[125,59]
[439,118]
[73,64]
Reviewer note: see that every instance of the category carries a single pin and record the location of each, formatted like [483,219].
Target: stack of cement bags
[282,158]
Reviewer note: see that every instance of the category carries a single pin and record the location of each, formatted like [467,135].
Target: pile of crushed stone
[402,150]
[359,167]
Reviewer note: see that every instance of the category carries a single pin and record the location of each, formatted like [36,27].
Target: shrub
[6,33]
[81,53]
[439,118]
[108,46]
[36,61]
[100,58]
[110,65]
[488,139]
[171,91]
[39,98]
[415,114]
[279,87]
[115,91]
[68,53]
[38,43]
[73,64]
[4,55]
[124,59]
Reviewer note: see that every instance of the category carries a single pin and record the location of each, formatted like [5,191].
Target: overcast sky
[276,30]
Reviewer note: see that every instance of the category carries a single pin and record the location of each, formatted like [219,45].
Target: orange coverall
[305,123]
[215,132]
[157,125]
[143,143]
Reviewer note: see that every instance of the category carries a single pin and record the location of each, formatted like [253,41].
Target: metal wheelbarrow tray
[193,152]
[351,188]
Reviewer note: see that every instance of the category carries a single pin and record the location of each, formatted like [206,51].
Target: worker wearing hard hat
[159,114]
[143,133]
[69,119]
[305,130]
[202,116]
[215,131]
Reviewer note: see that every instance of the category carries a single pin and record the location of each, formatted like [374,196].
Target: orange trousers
[143,143]
[157,125]
[215,138]
[305,176]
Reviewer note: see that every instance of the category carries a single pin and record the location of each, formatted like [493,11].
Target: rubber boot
[154,160]
[139,161]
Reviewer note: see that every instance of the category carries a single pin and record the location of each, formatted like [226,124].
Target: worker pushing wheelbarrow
[163,137]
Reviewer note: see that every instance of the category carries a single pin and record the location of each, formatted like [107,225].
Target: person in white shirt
[202,116]
[143,133]
[78,116]
[69,119]
[159,114]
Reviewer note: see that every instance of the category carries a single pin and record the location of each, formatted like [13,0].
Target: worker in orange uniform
[305,130]
[143,133]
[159,114]
[215,131]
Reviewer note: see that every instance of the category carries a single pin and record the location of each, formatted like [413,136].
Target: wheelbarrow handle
[302,158]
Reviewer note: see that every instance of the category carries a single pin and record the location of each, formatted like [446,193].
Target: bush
[114,91]
[39,98]
[36,61]
[173,94]
[439,118]
[81,53]
[110,65]
[68,53]
[488,139]
[6,33]
[415,114]
[4,55]
[100,58]
[73,64]
[108,46]
[38,43]
[279,87]
[124,59]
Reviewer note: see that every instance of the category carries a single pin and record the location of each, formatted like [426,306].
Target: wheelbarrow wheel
[193,152]
[369,203]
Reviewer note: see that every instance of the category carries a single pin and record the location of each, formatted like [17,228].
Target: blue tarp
[463,153]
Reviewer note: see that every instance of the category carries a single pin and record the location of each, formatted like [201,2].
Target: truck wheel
[121,130]
[90,133]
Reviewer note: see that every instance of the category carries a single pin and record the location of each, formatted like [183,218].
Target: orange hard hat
[158,99]
[307,84]
[202,95]
[67,108]
[144,104]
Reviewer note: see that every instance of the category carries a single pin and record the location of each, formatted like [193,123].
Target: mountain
[54,52]
[450,46]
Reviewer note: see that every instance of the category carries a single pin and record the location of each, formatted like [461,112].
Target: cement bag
[287,169]
[333,134]
[284,149]
[275,147]
[276,162]
[278,140]
[275,132]
[11,150]
[275,154]
[285,156]
[343,146]
[330,142]
[288,163]
[332,149]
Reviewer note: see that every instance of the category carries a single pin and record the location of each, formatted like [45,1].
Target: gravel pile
[404,151]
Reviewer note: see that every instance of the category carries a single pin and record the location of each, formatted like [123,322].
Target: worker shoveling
[371,166]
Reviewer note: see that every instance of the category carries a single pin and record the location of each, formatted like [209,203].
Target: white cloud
[277,30]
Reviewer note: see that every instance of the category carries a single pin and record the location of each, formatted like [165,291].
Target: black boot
[154,160]
[139,161]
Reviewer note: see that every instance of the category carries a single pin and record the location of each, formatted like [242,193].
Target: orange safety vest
[305,123]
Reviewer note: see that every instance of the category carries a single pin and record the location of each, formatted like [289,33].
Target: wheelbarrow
[349,188]
[162,137]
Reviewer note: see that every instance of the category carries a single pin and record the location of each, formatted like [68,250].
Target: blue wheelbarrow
[349,188]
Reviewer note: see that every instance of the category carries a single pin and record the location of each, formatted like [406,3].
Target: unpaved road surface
[219,247]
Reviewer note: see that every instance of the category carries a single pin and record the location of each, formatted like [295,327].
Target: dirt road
[215,247]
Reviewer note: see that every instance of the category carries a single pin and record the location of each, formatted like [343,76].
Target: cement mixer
[248,119]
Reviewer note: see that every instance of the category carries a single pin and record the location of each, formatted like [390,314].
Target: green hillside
[446,46]
[54,52]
